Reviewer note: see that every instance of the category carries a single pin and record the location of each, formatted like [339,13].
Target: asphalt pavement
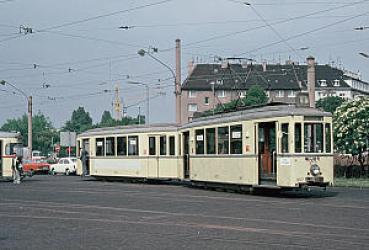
[68,212]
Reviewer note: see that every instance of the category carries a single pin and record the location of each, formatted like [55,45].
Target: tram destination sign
[68,139]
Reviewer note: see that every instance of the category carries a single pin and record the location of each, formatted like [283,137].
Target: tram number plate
[285,161]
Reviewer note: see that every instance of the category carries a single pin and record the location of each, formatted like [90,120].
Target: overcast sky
[77,52]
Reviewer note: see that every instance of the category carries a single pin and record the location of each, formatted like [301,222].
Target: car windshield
[74,160]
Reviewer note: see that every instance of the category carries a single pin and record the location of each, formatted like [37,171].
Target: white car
[65,166]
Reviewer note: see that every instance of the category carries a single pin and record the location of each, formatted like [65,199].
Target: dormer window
[336,83]
[323,83]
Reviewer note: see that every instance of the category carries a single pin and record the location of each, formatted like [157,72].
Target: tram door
[1,158]
[267,153]
[186,155]
[86,164]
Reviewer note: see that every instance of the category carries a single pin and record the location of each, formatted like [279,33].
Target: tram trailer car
[281,146]
[142,152]
[9,144]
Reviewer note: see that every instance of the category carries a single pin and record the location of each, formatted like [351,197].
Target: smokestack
[178,81]
[311,80]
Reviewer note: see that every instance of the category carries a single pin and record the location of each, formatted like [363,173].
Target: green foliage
[330,103]
[254,96]
[108,121]
[351,126]
[79,122]
[42,130]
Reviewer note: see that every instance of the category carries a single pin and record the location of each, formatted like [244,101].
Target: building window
[280,93]
[122,145]
[110,146]
[132,145]
[291,93]
[336,83]
[206,100]
[221,93]
[100,147]
[172,145]
[220,81]
[223,140]
[236,139]
[323,83]
[199,142]
[210,141]
[191,93]
[192,107]
[313,137]
[298,138]
[152,145]
[284,138]
[163,145]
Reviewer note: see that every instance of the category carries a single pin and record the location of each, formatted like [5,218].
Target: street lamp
[29,103]
[147,98]
[176,76]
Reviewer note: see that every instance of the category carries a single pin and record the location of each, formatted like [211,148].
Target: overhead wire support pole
[176,75]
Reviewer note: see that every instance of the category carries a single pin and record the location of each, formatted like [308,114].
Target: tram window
[12,148]
[285,138]
[110,146]
[163,145]
[132,145]
[100,147]
[210,141]
[122,146]
[172,145]
[223,140]
[297,137]
[328,138]
[152,146]
[236,139]
[313,137]
[200,142]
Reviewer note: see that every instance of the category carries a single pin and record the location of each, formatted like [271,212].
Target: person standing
[18,168]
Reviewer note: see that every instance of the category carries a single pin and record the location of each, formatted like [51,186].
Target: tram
[280,146]
[10,144]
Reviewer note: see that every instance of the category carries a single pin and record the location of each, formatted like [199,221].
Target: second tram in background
[280,146]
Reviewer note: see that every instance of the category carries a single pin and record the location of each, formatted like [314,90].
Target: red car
[36,166]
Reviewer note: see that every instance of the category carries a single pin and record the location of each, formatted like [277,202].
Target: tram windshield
[14,148]
[313,137]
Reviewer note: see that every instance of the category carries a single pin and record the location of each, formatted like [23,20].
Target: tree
[254,96]
[107,120]
[330,103]
[79,122]
[42,129]
[351,128]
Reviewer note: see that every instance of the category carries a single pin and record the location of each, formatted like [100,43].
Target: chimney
[264,66]
[311,80]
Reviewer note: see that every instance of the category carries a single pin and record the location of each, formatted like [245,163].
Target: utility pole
[178,82]
[30,126]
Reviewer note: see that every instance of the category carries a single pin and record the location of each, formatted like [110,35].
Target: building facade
[208,85]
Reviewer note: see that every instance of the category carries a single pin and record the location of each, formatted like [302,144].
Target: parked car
[65,166]
[36,166]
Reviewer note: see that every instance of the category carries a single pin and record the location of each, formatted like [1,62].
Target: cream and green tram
[143,152]
[9,143]
[281,146]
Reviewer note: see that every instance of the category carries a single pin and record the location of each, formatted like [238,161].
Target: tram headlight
[314,169]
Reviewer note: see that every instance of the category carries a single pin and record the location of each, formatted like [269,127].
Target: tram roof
[9,135]
[159,127]
[267,111]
